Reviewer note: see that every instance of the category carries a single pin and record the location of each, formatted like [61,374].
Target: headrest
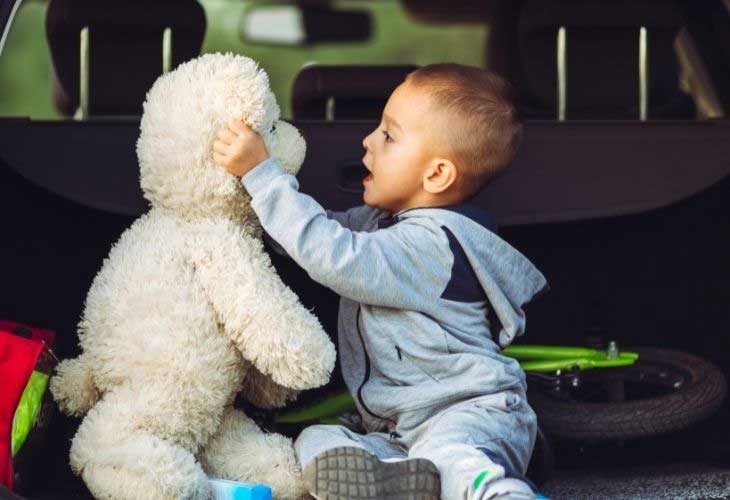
[125,49]
[602,49]
[354,92]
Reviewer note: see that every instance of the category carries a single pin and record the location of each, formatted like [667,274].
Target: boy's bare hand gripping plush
[239,148]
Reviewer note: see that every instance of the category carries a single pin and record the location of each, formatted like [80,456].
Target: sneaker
[355,474]
[507,488]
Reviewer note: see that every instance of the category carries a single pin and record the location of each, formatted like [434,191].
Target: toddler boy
[429,295]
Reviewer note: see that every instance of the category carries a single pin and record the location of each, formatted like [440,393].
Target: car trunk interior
[635,251]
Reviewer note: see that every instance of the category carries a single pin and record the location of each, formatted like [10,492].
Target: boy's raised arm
[387,267]
[355,218]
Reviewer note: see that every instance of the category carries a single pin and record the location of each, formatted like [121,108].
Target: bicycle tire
[696,399]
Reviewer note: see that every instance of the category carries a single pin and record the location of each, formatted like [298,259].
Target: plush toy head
[183,112]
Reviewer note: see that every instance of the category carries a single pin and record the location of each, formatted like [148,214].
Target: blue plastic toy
[224,489]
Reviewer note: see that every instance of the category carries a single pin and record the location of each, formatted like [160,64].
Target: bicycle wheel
[664,391]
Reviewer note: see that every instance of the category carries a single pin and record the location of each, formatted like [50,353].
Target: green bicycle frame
[549,358]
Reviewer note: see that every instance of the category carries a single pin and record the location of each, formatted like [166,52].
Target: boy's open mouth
[367,179]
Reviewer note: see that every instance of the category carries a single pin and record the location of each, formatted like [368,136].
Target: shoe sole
[354,474]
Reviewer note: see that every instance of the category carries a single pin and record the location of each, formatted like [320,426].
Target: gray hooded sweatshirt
[429,296]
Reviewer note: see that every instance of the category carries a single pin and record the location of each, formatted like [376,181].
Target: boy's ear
[440,174]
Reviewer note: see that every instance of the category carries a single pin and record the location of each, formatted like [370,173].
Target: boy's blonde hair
[485,129]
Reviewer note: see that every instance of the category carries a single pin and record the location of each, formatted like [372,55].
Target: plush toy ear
[287,145]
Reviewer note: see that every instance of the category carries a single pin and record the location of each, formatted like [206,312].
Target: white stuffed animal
[187,310]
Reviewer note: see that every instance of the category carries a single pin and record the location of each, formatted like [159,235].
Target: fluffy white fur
[187,310]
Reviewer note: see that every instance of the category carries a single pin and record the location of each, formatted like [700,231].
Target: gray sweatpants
[494,433]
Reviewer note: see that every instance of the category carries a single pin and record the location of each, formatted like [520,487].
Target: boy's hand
[239,149]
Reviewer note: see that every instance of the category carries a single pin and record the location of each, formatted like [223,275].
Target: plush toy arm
[262,316]
[261,391]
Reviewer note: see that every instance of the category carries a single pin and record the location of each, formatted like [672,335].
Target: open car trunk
[628,221]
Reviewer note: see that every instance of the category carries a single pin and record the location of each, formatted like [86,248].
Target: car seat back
[602,52]
[125,49]
[324,92]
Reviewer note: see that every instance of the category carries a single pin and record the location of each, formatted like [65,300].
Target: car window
[26,74]
[25,66]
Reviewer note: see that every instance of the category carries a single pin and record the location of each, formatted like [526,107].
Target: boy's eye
[388,138]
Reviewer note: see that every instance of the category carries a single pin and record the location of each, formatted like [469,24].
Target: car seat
[125,49]
[602,45]
[327,92]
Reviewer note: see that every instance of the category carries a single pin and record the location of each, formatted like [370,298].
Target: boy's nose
[366,141]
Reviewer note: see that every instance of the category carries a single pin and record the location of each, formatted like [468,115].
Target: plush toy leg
[241,451]
[118,460]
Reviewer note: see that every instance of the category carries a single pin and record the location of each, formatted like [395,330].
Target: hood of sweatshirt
[485,267]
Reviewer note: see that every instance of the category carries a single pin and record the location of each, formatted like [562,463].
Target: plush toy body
[187,310]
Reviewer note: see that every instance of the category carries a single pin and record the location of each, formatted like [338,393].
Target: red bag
[20,348]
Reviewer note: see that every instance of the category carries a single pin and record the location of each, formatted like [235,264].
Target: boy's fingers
[238,126]
[218,158]
[220,147]
[226,136]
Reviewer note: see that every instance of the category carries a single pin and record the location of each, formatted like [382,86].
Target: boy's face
[398,151]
